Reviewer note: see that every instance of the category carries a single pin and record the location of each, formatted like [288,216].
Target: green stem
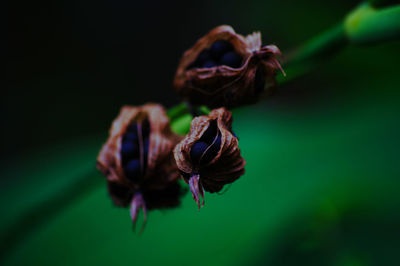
[313,53]
[177,111]
[366,24]
[369,25]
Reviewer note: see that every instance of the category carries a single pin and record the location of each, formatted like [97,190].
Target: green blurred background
[321,183]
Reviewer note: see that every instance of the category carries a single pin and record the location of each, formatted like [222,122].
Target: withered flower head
[209,157]
[137,160]
[226,69]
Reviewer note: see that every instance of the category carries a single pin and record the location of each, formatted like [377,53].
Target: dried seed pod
[137,160]
[225,69]
[209,157]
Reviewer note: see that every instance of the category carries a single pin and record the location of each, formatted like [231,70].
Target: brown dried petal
[223,85]
[224,168]
[161,175]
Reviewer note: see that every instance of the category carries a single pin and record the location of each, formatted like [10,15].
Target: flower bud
[209,157]
[227,69]
[137,160]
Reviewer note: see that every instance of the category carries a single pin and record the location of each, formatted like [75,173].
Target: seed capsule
[209,157]
[137,160]
[220,69]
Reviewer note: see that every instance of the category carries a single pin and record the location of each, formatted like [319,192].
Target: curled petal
[136,205]
[196,189]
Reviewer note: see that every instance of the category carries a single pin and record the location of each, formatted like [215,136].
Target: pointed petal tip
[138,204]
[197,189]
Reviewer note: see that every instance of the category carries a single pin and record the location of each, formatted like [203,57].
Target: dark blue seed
[231,59]
[129,149]
[132,169]
[209,64]
[130,137]
[219,48]
[212,151]
[132,128]
[203,56]
[197,151]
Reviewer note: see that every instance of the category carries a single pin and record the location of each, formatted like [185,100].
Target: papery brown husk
[222,85]
[225,167]
[161,176]
[160,170]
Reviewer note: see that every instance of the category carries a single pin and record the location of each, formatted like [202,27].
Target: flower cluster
[143,159]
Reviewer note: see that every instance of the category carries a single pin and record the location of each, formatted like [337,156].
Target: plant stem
[177,111]
[313,53]
[368,25]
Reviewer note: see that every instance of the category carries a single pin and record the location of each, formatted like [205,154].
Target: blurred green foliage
[321,182]
[367,24]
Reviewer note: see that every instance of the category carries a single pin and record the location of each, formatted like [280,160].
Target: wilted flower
[137,160]
[209,157]
[226,69]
